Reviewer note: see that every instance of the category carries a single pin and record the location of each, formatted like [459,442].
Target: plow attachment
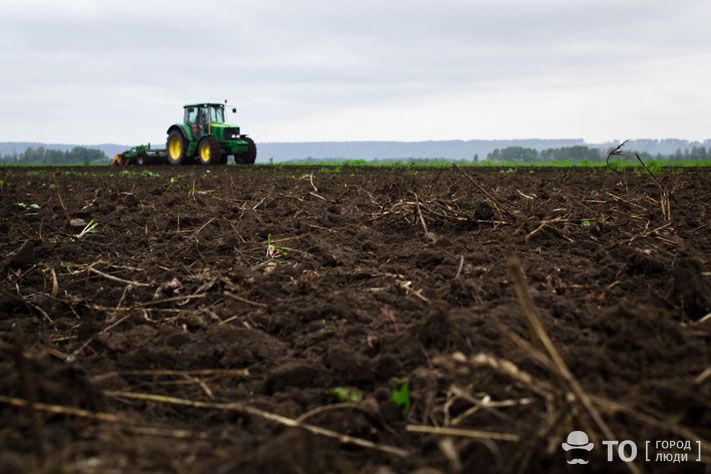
[141,155]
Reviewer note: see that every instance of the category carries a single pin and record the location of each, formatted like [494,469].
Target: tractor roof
[204,104]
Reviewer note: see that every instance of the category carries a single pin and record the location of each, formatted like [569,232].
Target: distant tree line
[42,155]
[522,154]
[696,153]
[576,153]
[584,153]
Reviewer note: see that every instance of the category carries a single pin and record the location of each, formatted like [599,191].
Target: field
[294,319]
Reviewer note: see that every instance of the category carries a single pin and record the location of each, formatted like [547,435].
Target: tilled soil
[230,303]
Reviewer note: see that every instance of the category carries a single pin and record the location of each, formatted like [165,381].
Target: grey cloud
[304,59]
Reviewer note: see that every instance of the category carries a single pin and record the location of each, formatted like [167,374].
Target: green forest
[78,155]
[582,153]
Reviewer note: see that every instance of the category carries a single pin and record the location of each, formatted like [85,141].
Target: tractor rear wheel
[248,157]
[176,148]
[209,151]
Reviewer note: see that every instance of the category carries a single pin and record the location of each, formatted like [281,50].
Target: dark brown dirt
[174,295]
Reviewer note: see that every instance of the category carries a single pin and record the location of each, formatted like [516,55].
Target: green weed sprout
[25,205]
[90,228]
[401,397]
[274,250]
[345,395]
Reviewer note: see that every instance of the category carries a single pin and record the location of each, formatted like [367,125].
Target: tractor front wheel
[248,157]
[176,148]
[209,151]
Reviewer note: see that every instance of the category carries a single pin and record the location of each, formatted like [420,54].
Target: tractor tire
[248,157]
[176,148]
[209,151]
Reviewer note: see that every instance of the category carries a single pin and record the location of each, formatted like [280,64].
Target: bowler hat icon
[578,440]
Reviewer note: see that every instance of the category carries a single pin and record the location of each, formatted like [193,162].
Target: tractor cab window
[217,115]
[191,115]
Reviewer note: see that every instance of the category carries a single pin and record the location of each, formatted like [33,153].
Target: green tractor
[202,138]
[205,138]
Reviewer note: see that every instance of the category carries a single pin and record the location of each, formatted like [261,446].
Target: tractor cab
[200,118]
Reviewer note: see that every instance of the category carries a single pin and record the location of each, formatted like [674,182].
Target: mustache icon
[577,461]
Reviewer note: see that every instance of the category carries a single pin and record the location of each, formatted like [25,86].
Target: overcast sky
[95,71]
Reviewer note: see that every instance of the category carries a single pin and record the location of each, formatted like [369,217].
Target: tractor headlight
[232,133]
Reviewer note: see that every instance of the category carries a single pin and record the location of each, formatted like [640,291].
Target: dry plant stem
[229,320]
[633,204]
[489,405]
[532,351]
[539,334]
[703,375]
[116,279]
[510,369]
[475,434]
[191,376]
[102,417]
[522,457]
[311,180]
[617,151]
[499,208]
[172,299]
[165,432]
[180,373]
[428,235]
[203,385]
[646,168]
[434,181]
[327,408]
[256,412]
[461,266]
[32,305]
[195,234]
[114,324]
[450,452]
[30,392]
[55,285]
[244,300]
[664,194]
[543,224]
[61,203]
[63,410]
[657,421]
